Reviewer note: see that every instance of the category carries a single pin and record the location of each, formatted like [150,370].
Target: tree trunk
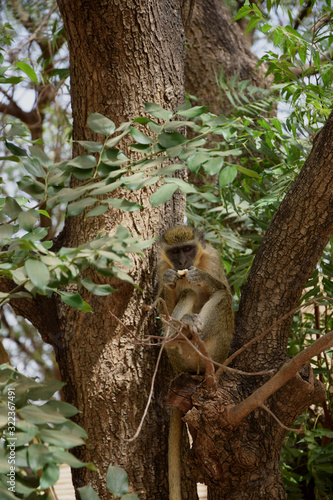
[212,43]
[122,54]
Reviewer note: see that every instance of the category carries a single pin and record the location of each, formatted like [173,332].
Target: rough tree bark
[122,54]
[212,43]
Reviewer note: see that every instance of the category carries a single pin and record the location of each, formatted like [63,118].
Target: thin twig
[298,431]
[150,393]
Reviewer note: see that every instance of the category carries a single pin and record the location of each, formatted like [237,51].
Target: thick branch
[286,373]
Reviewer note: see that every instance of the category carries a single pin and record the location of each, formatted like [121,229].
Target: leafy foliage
[35,435]
[117,484]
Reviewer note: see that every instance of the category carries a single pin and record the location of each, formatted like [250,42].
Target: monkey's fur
[202,300]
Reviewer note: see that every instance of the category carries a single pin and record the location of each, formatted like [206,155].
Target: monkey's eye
[187,249]
[175,250]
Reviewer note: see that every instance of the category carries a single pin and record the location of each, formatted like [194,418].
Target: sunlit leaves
[28,70]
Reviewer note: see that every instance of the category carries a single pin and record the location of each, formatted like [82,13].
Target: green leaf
[28,70]
[88,493]
[184,186]
[227,175]
[100,290]
[117,481]
[158,112]
[213,166]
[75,300]
[77,207]
[61,407]
[174,125]
[15,150]
[128,206]
[33,167]
[247,171]
[63,457]
[139,136]
[193,112]
[82,162]
[169,140]
[38,455]
[41,415]
[101,124]
[63,438]
[162,194]
[114,157]
[243,11]
[96,211]
[91,146]
[38,273]
[106,188]
[50,476]
[45,391]
[28,219]
[38,153]
[11,208]
[252,24]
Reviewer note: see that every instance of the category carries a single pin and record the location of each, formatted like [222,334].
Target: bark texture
[212,43]
[122,54]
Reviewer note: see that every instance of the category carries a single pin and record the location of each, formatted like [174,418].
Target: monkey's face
[182,256]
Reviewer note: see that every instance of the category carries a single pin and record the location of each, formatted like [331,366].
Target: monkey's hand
[193,322]
[195,276]
[170,278]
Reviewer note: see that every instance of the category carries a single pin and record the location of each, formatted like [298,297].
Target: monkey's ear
[202,238]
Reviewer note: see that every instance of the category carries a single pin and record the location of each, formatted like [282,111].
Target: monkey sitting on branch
[194,287]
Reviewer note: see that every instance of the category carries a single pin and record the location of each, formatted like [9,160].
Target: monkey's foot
[193,322]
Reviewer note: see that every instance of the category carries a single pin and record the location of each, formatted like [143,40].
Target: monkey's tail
[175,433]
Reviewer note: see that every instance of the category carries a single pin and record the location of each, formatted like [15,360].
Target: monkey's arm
[199,277]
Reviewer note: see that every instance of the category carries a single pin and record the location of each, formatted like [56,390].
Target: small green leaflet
[139,136]
[88,493]
[126,205]
[28,70]
[96,211]
[28,219]
[158,112]
[38,273]
[91,146]
[193,112]
[213,166]
[227,175]
[162,194]
[169,140]
[247,171]
[50,476]
[100,290]
[75,300]
[117,481]
[82,162]
[101,124]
